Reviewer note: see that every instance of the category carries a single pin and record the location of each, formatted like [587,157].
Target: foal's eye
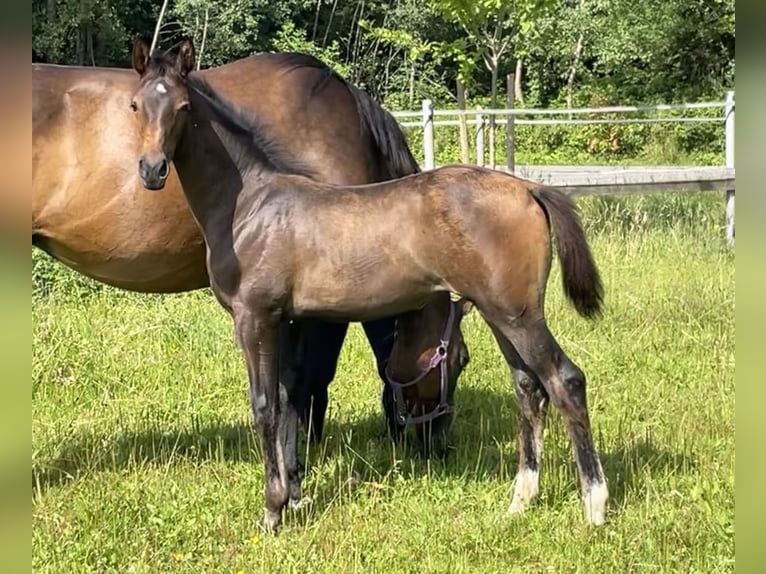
[134,106]
[184,107]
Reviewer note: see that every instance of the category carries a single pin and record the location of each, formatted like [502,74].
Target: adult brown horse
[427,359]
[284,246]
[91,212]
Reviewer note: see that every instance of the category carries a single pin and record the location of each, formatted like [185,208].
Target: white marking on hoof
[160,87]
[527,487]
[302,503]
[595,499]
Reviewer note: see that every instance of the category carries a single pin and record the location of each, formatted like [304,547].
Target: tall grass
[144,460]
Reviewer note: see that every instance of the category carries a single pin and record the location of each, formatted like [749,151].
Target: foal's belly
[357,308]
[359,289]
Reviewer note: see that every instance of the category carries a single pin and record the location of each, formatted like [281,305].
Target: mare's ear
[185,58]
[140,55]
[464,306]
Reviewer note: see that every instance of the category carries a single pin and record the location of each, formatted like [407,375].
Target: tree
[82,32]
[491,26]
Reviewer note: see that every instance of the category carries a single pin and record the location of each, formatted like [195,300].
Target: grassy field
[143,457]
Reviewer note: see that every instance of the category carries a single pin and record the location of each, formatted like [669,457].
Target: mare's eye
[184,107]
[134,106]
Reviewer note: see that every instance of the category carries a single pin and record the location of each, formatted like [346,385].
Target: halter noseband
[438,359]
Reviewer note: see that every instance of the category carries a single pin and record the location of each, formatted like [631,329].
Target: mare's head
[160,105]
[428,356]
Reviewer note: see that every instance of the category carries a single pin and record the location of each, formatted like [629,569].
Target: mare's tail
[389,137]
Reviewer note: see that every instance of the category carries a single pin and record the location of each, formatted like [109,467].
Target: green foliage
[236,28]
[291,39]
[84,32]
[51,278]
[643,51]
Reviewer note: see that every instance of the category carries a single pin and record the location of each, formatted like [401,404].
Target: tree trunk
[157,27]
[89,36]
[412,82]
[464,158]
[80,45]
[517,90]
[573,70]
[329,23]
[493,105]
[316,21]
[202,43]
[51,12]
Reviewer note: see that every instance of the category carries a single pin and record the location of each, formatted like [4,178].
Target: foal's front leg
[257,335]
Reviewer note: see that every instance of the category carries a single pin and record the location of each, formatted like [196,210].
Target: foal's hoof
[271,521]
[525,491]
[595,500]
[297,504]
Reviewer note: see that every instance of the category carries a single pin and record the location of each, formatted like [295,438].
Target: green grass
[143,457]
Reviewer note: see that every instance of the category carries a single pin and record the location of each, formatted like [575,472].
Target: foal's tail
[387,134]
[581,279]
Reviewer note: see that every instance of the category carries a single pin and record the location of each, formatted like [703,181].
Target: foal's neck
[218,163]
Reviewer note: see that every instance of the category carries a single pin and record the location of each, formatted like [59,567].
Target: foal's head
[428,356]
[160,103]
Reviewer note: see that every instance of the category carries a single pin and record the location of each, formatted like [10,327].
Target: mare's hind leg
[565,384]
[533,405]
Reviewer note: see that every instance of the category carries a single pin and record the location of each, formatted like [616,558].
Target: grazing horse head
[429,355]
[161,101]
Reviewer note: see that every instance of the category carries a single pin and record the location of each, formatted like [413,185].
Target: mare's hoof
[301,471]
[271,521]
[297,504]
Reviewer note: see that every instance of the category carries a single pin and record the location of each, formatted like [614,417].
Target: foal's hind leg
[565,384]
[533,405]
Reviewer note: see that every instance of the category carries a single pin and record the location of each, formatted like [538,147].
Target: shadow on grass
[483,444]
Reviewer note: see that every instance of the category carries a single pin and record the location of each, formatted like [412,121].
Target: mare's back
[74,97]
[305,108]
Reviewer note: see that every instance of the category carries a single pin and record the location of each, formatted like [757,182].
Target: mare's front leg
[257,335]
[291,384]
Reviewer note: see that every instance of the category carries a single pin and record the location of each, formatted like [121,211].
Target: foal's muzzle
[153,172]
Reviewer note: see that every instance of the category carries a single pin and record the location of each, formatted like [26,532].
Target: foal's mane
[236,120]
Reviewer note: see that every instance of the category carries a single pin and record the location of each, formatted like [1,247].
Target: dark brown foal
[284,246]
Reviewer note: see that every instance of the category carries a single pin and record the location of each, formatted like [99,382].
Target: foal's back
[340,247]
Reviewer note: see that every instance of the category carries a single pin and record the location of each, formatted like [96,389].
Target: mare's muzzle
[153,171]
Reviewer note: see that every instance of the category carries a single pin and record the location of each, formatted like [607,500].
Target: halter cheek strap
[438,359]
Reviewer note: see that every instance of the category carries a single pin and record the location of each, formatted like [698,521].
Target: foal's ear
[140,55]
[185,58]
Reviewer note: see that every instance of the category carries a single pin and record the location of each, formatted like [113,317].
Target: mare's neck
[218,165]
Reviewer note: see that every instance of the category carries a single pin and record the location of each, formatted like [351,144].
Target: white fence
[592,180]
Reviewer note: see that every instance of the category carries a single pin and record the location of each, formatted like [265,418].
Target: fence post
[510,126]
[729,115]
[428,133]
[479,136]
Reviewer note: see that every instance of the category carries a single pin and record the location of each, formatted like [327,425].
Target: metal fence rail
[590,180]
